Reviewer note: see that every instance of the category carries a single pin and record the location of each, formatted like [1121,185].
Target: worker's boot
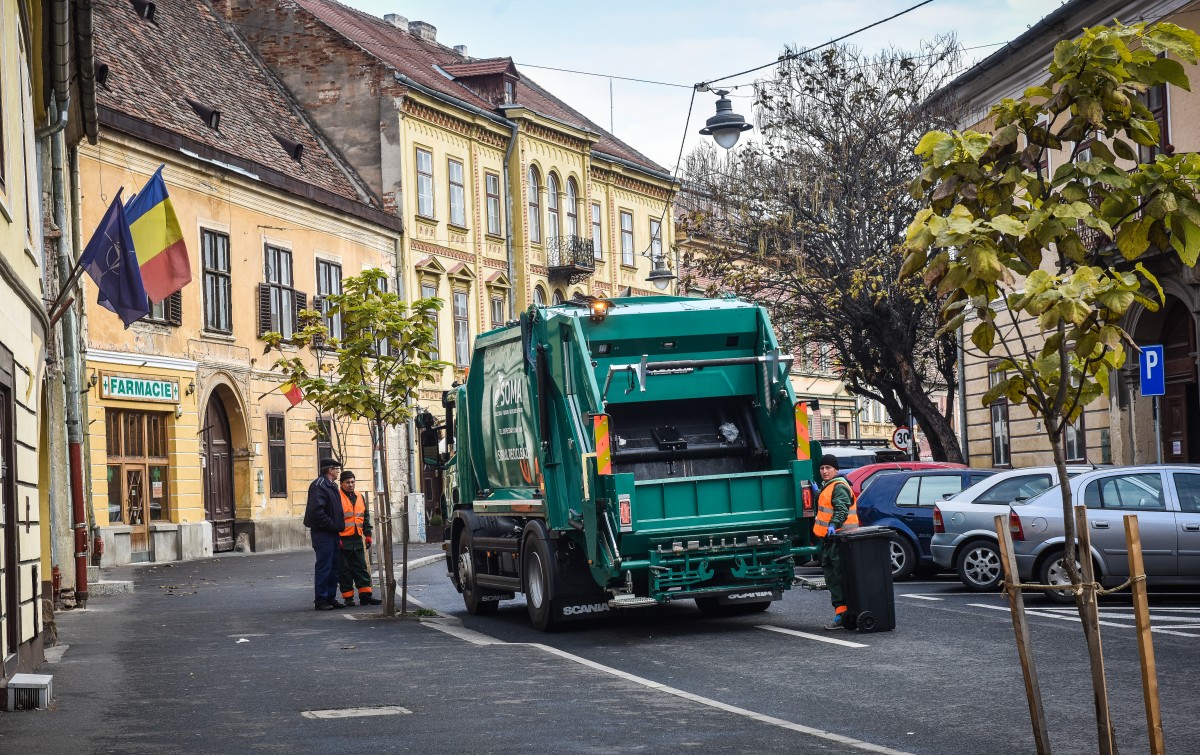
[368,599]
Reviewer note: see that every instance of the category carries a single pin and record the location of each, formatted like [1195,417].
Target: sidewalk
[226,655]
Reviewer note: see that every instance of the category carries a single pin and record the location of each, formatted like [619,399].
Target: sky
[682,42]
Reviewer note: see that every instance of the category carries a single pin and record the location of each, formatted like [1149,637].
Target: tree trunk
[385,522]
[943,443]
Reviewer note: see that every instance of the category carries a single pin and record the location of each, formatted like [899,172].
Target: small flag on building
[293,393]
[110,259]
[161,251]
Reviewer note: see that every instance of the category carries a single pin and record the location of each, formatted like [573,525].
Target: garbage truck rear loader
[628,453]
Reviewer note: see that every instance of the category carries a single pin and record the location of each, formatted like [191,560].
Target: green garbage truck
[623,453]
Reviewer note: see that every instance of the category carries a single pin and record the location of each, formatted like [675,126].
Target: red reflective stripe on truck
[802,439]
[603,451]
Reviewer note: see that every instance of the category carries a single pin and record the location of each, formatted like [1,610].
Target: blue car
[904,501]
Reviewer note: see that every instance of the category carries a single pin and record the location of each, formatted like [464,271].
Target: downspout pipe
[513,128]
[70,352]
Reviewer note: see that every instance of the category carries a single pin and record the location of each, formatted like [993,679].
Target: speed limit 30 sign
[902,439]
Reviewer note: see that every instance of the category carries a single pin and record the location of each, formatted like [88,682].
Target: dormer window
[294,149]
[210,115]
[144,9]
[510,93]
[101,74]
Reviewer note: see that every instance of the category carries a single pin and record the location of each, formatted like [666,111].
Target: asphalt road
[227,655]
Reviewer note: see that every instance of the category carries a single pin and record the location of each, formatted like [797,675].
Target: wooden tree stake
[1089,614]
[1141,615]
[1016,603]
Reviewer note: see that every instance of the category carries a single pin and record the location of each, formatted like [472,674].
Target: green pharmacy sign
[139,389]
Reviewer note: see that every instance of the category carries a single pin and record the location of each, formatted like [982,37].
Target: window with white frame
[1001,450]
[553,227]
[429,291]
[492,189]
[458,194]
[597,247]
[498,308]
[655,239]
[626,238]
[462,330]
[535,206]
[424,183]
[329,282]
[572,208]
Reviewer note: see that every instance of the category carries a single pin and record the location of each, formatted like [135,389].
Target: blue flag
[111,261]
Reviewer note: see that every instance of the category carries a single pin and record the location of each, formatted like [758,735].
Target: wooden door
[136,514]
[1180,419]
[218,475]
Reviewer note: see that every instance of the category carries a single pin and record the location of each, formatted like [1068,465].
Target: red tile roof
[184,54]
[489,67]
[420,60]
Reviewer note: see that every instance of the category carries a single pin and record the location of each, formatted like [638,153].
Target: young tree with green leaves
[384,353]
[1008,244]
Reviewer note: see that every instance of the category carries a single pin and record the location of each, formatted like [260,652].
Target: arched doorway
[1180,424]
[217,446]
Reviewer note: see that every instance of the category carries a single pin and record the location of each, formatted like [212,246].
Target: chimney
[424,30]
[461,50]
[396,20]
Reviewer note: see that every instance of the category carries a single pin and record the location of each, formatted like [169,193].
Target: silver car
[964,526]
[1166,500]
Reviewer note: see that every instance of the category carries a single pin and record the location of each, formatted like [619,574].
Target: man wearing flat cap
[324,518]
[836,510]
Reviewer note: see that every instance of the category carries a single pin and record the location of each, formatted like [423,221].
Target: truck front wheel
[536,577]
[472,595]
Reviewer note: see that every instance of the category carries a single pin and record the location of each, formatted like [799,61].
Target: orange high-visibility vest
[355,511]
[825,508]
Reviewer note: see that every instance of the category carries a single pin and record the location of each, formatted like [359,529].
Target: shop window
[277,455]
[138,467]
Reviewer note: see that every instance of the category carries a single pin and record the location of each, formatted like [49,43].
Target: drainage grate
[30,691]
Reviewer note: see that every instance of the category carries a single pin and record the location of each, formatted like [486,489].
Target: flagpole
[76,272]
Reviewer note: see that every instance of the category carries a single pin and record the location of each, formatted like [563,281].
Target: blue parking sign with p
[1152,369]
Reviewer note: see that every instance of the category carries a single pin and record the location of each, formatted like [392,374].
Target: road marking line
[709,702]
[919,596]
[462,633]
[818,637]
[385,710]
[483,639]
[1047,615]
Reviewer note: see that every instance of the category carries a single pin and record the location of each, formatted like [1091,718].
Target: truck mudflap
[580,607]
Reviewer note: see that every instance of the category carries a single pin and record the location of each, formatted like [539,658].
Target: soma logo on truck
[586,608]
[508,392]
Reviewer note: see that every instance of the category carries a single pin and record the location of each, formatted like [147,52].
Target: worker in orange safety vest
[356,538]
[837,509]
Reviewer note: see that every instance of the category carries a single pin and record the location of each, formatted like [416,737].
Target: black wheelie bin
[865,554]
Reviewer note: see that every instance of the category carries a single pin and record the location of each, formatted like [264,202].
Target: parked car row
[943,517]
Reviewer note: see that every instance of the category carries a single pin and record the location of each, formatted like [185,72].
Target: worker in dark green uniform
[836,510]
[356,539]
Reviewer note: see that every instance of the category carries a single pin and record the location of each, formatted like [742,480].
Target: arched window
[558,297]
[572,208]
[539,296]
[535,207]
[553,229]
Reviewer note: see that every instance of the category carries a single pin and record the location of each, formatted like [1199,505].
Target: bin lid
[859,533]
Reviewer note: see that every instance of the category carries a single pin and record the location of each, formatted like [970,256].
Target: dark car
[904,501]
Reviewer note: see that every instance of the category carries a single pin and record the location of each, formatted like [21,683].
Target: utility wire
[799,53]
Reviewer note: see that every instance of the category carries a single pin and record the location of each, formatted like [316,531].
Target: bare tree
[807,220]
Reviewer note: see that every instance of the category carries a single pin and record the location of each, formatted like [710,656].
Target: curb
[425,561]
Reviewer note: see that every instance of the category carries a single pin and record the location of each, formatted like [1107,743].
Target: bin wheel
[865,622]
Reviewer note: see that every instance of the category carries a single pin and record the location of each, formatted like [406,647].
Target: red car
[861,478]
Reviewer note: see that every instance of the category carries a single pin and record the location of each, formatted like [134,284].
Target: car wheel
[979,566]
[904,557]
[1054,572]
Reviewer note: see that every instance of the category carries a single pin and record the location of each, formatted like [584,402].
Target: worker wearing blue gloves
[836,509]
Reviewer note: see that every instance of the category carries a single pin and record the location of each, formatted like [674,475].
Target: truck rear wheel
[537,578]
[473,597]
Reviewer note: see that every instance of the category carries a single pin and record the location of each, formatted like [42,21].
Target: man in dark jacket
[323,516]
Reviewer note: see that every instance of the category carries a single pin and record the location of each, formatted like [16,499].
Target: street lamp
[726,126]
[661,275]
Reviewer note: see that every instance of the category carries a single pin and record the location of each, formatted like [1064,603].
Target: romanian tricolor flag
[161,252]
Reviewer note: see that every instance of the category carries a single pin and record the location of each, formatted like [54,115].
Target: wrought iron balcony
[570,257]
